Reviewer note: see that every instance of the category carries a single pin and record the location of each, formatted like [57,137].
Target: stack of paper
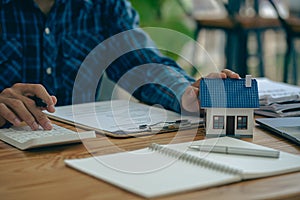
[278,99]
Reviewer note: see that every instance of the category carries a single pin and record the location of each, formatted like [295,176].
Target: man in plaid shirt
[43,44]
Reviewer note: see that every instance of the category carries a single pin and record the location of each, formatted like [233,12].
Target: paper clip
[171,125]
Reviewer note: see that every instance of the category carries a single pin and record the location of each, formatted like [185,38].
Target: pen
[237,150]
[166,125]
[38,102]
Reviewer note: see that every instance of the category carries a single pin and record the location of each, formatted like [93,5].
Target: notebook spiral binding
[194,159]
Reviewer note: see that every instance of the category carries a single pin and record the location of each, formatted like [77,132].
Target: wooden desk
[42,174]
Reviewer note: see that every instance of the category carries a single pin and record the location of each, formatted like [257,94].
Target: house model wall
[229,105]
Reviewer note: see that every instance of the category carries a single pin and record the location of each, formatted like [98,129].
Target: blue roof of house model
[228,93]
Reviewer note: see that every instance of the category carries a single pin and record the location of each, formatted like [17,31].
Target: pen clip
[210,148]
[170,125]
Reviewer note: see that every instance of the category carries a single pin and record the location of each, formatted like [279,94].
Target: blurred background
[220,26]
[182,16]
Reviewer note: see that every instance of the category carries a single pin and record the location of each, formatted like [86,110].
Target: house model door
[230,130]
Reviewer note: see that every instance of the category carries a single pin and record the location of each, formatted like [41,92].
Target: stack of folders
[166,169]
[278,99]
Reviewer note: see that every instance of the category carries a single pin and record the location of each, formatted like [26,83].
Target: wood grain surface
[42,174]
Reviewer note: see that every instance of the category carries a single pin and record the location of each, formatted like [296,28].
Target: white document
[122,118]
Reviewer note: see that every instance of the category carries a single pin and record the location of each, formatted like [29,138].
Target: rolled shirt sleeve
[141,69]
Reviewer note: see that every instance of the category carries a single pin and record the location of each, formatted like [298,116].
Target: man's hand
[16,106]
[189,100]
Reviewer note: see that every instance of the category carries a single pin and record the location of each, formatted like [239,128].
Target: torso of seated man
[46,42]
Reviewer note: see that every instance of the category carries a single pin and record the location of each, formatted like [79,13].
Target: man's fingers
[20,108]
[197,83]
[51,108]
[35,90]
[40,117]
[216,75]
[230,74]
[14,110]
[8,115]
[39,91]
[189,99]
[17,107]
[225,73]
[54,99]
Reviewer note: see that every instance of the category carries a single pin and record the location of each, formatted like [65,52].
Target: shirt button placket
[47,30]
[49,70]
[49,53]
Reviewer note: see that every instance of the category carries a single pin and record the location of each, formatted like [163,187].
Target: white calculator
[24,138]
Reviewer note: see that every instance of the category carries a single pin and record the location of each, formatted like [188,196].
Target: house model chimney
[248,81]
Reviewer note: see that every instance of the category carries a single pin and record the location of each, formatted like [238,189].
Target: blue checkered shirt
[35,48]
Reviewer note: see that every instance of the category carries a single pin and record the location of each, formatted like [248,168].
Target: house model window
[229,105]
[242,122]
[218,122]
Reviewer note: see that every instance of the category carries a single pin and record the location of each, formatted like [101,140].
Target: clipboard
[123,119]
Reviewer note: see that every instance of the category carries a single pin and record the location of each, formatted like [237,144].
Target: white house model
[229,105]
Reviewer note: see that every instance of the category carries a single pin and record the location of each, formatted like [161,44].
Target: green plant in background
[165,14]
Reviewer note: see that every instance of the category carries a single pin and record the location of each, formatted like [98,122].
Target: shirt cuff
[179,91]
[6,125]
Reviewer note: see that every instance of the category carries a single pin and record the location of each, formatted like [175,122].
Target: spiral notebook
[162,170]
